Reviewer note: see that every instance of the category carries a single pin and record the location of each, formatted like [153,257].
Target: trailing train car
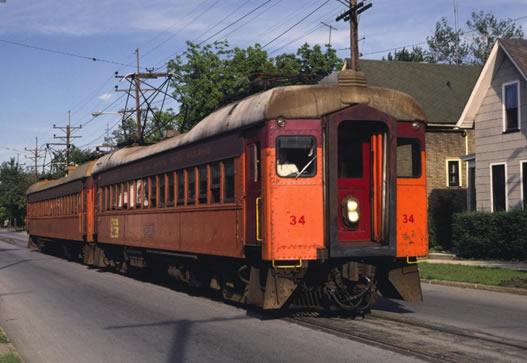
[300,196]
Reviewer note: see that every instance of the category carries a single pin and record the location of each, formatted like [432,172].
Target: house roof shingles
[441,89]
[517,49]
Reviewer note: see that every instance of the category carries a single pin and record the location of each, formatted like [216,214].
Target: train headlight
[350,211]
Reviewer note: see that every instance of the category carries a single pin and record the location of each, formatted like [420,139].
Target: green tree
[447,45]
[453,46]
[417,54]
[215,75]
[57,167]
[13,185]
[314,61]
[487,29]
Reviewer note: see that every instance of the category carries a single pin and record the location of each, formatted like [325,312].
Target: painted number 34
[408,218]
[294,220]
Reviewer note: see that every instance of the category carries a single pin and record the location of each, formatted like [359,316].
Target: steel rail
[429,341]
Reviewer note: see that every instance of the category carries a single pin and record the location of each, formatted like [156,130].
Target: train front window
[408,158]
[350,150]
[296,156]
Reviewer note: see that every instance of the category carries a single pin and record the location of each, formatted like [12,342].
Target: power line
[63,53]
[298,22]
[183,28]
[221,30]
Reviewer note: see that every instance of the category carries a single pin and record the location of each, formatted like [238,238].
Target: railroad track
[428,341]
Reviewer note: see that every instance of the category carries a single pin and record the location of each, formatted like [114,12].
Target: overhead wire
[69,54]
[294,25]
[219,31]
[307,30]
[182,28]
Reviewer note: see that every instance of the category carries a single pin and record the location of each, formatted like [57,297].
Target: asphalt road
[59,311]
[500,314]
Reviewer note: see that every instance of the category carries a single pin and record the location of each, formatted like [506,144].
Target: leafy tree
[487,30]
[313,61]
[215,75]
[199,90]
[417,54]
[57,167]
[13,185]
[448,45]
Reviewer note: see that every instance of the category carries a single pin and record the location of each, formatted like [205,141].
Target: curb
[466,285]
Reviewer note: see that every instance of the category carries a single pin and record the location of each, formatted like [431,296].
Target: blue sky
[39,86]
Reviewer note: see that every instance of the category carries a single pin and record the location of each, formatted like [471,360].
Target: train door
[354,183]
[253,192]
[358,205]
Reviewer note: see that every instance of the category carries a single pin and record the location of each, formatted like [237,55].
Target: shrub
[498,235]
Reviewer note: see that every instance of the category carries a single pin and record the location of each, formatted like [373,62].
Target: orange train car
[300,196]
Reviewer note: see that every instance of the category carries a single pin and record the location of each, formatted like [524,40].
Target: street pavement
[19,239]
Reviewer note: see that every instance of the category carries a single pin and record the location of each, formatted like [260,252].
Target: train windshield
[295,156]
[408,158]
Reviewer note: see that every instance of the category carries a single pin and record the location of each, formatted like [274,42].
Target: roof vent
[351,78]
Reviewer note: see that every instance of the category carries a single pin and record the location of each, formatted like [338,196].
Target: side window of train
[296,156]
[228,181]
[180,187]
[254,163]
[162,185]
[154,190]
[170,193]
[146,192]
[215,183]
[191,188]
[132,193]
[408,157]
[202,184]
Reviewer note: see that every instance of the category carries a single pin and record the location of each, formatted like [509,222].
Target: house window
[453,173]
[511,106]
[498,187]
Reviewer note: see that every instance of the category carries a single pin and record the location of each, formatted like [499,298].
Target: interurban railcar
[300,196]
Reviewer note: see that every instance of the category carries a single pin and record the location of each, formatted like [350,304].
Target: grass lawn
[473,274]
[9,358]
[3,338]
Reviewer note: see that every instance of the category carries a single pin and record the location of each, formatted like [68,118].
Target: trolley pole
[137,104]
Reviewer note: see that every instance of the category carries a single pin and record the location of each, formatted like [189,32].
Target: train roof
[306,101]
[79,172]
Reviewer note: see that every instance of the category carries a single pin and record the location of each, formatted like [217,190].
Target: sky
[47,47]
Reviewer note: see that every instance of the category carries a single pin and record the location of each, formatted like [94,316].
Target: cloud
[106,97]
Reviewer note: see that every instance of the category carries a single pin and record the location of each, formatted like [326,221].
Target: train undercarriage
[330,285]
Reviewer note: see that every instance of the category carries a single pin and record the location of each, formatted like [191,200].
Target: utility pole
[135,79]
[330,28]
[352,16]
[34,157]
[67,138]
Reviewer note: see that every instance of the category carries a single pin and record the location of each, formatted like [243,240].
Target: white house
[497,111]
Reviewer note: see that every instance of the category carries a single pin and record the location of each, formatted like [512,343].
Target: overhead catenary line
[286,41]
[182,28]
[219,31]
[298,22]
[94,59]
